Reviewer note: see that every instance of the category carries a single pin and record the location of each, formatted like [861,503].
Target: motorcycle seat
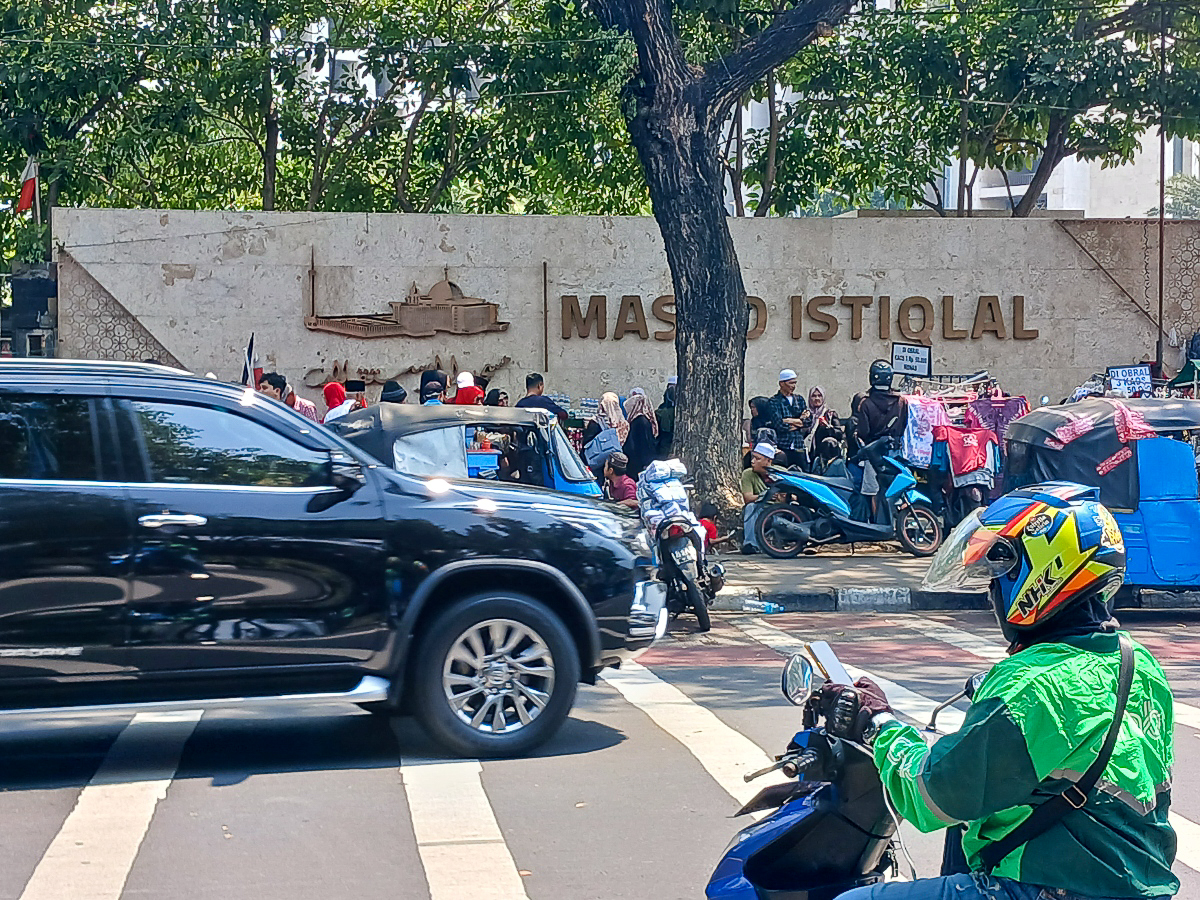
[841,484]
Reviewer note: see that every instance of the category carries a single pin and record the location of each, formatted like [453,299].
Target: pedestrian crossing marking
[94,850]
[449,809]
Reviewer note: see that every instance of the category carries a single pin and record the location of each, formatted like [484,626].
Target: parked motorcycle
[831,829]
[802,509]
[678,541]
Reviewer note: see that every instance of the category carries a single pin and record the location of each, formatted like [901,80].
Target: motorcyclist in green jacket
[1053,561]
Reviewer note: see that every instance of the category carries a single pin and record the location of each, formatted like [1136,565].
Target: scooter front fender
[728,881]
[914,497]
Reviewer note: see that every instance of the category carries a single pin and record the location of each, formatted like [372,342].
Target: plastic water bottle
[765,607]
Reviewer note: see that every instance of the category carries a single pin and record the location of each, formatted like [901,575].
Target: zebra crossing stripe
[726,754]
[90,857]
[462,850]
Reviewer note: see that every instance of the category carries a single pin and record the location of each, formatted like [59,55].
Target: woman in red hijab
[335,399]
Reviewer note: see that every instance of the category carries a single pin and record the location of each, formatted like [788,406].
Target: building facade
[1040,303]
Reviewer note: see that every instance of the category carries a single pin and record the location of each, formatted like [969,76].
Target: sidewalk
[833,579]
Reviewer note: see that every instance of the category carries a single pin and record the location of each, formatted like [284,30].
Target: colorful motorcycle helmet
[1037,551]
[880,375]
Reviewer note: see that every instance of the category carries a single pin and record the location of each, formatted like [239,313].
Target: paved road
[629,801]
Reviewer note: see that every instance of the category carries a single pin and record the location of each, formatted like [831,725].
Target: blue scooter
[831,830]
[802,509]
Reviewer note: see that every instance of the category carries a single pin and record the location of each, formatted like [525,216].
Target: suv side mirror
[342,473]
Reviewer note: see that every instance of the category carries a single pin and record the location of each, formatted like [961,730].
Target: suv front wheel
[496,675]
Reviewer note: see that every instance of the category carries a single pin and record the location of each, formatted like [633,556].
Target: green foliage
[879,106]
[485,106]
[1183,198]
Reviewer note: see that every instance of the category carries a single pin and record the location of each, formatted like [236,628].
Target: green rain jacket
[1037,723]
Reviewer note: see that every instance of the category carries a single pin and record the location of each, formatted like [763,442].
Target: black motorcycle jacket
[881,414]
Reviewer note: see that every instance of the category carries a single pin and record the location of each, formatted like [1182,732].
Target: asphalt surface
[630,800]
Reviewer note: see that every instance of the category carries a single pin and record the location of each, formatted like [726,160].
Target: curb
[848,599]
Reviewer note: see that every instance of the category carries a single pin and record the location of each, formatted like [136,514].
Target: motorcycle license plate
[683,555]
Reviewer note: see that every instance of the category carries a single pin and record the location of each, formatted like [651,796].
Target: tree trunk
[675,111]
[1056,151]
[270,116]
[677,143]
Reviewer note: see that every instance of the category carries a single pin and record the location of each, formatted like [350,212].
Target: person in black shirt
[535,386]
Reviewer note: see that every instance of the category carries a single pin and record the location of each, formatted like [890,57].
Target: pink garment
[305,407]
[924,414]
[994,414]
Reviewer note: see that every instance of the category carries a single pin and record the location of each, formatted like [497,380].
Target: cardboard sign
[912,359]
[1131,379]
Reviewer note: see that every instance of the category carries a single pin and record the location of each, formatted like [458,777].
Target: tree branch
[648,22]
[727,78]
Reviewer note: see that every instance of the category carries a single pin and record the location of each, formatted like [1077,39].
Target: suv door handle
[162,520]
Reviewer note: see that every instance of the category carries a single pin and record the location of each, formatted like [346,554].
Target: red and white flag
[28,185]
[251,368]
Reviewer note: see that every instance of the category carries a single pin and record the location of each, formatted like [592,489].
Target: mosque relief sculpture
[443,309]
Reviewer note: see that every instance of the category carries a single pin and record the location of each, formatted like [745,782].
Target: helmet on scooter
[1038,551]
[880,375]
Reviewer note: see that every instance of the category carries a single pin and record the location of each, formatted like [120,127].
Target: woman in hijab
[335,399]
[641,445]
[821,424]
[496,397]
[608,415]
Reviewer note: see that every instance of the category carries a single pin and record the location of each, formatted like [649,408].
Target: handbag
[601,447]
[1076,794]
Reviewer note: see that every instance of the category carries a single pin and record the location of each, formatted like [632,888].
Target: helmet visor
[970,558]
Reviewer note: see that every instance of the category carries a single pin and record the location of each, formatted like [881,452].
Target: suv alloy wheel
[496,674]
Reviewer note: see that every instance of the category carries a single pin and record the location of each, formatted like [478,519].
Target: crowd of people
[626,433]
[786,430]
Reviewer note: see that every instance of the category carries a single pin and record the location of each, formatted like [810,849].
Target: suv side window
[48,437]
[186,444]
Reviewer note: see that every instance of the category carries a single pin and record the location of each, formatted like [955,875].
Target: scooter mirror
[797,679]
[973,684]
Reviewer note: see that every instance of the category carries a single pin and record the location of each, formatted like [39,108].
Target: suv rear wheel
[496,675]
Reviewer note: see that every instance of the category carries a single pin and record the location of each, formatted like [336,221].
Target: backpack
[601,447]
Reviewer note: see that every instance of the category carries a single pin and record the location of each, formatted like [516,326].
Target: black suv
[170,540]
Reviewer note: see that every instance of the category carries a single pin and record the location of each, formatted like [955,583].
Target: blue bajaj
[831,830]
[800,509]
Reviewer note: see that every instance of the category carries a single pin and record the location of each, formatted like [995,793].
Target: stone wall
[1040,303]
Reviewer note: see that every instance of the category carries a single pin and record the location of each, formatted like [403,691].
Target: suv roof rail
[90,367]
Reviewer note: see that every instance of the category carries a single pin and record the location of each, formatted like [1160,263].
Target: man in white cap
[467,394]
[787,409]
[754,488]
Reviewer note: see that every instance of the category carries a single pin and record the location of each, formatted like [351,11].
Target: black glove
[848,709]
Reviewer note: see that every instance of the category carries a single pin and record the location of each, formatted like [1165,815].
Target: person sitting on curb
[754,488]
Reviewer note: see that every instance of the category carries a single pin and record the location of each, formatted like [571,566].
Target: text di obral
[820,318]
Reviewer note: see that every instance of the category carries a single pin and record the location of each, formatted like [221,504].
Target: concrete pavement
[630,800]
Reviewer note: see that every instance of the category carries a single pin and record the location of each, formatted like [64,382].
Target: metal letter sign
[912,359]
